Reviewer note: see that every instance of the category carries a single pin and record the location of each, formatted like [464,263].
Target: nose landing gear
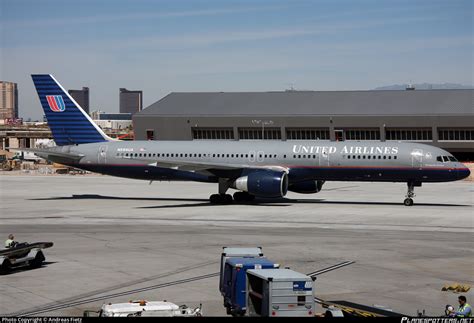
[410,193]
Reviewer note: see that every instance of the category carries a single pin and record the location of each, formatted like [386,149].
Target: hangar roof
[291,103]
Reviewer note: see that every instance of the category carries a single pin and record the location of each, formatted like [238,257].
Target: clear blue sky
[165,46]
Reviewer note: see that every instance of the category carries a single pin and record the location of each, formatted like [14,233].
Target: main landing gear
[243,197]
[223,198]
[220,199]
[227,198]
[410,193]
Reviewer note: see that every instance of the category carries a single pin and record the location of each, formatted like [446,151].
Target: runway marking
[273,221]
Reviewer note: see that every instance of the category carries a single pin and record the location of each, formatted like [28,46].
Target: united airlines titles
[383,150]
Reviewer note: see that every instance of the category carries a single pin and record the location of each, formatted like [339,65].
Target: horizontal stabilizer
[54,155]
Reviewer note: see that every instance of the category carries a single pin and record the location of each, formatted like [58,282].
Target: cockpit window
[445,159]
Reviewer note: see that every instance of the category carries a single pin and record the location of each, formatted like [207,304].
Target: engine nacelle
[307,187]
[263,183]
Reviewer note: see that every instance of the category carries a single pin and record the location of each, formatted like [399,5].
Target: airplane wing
[213,168]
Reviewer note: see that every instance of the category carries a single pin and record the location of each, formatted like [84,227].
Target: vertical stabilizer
[69,124]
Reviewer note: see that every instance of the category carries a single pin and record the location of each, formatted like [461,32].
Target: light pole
[263,123]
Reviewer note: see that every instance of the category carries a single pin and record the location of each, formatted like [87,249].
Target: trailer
[23,254]
[235,281]
[279,292]
[141,308]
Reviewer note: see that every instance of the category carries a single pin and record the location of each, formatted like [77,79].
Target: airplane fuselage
[303,160]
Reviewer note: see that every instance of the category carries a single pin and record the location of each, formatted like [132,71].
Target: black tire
[243,197]
[6,267]
[215,199]
[38,261]
[228,199]
[221,199]
[408,202]
[238,197]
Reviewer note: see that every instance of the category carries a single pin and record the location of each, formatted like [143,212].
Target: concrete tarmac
[115,235]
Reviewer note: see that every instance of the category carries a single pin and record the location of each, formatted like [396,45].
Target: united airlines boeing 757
[253,168]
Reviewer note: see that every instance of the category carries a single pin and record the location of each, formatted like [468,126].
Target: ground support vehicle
[141,308]
[279,292]
[23,254]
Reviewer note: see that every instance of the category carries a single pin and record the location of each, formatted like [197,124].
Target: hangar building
[444,118]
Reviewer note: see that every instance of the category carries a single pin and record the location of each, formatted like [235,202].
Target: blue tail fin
[69,124]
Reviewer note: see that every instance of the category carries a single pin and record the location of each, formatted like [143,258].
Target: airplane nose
[463,172]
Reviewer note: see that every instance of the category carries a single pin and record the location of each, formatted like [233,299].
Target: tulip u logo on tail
[56,103]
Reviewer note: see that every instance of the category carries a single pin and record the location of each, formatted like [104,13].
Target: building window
[256,133]
[150,134]
[362,134]
[213,133]
[456,134]
[410,134]
[307,134]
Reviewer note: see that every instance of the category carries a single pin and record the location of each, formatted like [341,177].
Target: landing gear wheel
[410,194]
[220,199]
[239,197]
[243,197]
[215,199]
[228,199]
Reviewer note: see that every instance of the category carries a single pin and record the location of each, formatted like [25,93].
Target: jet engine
[306,187]
[263,183]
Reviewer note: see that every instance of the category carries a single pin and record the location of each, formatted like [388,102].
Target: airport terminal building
[444,118]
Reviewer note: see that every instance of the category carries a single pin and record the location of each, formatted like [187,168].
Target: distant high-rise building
[81,97]
[130,101]
[8,100]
